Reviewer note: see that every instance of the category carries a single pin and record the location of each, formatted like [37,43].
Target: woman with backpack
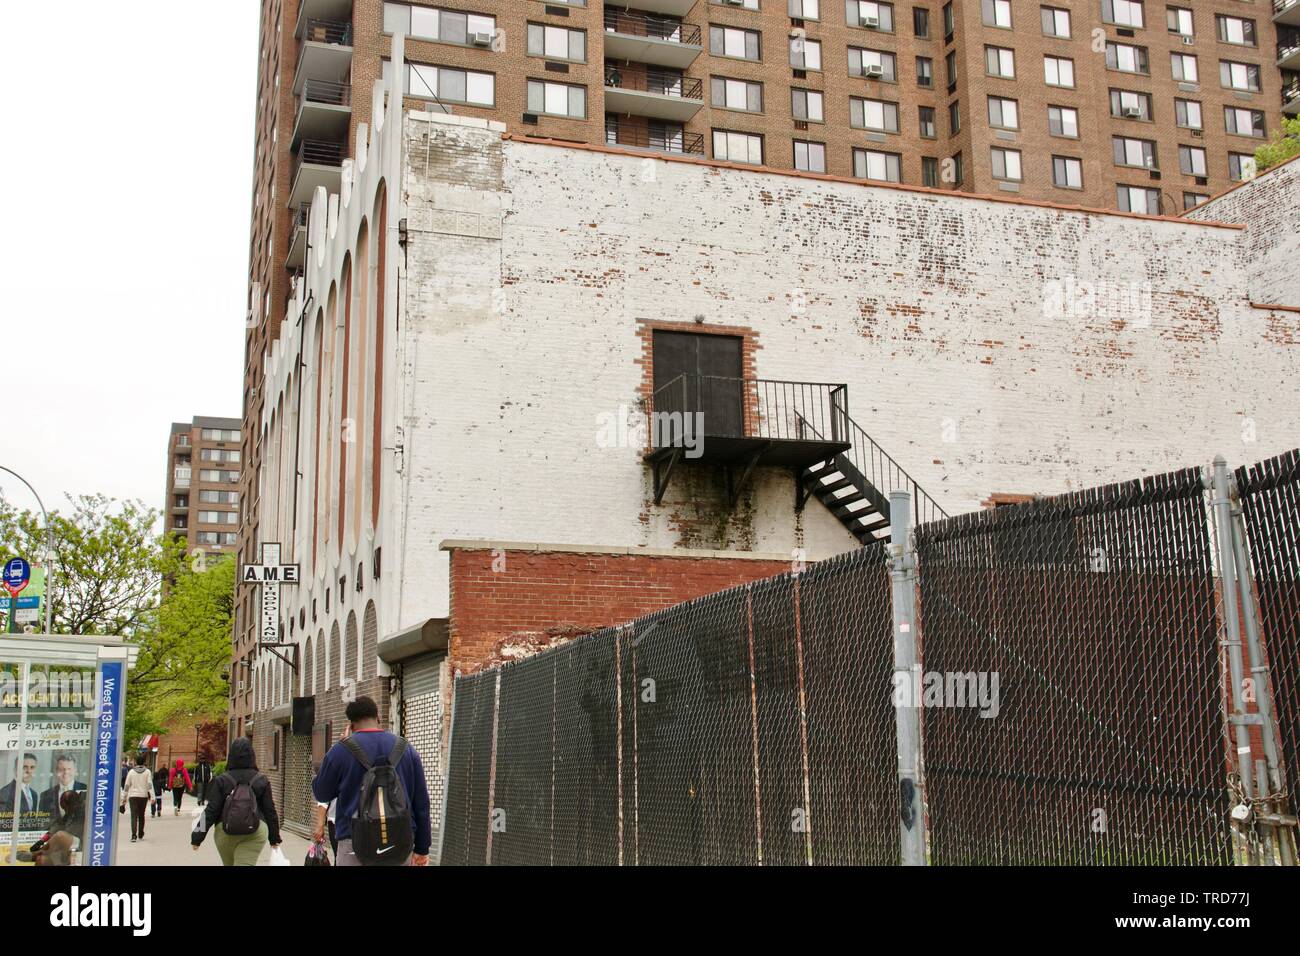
[240,809]
[159,785]
[179,783]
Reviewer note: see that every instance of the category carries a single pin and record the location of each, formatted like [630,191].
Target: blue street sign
[17,573]
[26,602]
[104,788]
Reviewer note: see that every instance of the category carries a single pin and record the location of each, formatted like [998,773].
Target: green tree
[1284,145]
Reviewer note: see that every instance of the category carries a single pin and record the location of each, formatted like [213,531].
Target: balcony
[654,93]
[322,10]
[181,478]
[1291,97]
[744,423]
[648,39]
[1286,12]
[317,164]
[298,238]
[1288,49]
[326,52]
[674,8]
[324,111]
[660,137]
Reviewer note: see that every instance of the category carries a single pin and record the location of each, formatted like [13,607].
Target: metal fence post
[1222,506]
[1263,683]
[907,699]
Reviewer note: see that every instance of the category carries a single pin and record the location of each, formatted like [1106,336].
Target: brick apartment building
[203,475]
[446,435]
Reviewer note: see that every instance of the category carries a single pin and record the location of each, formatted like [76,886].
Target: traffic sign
[26,615]
[16,575]
[23,603]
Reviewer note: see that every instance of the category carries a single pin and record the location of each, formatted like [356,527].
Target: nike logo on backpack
[384,850]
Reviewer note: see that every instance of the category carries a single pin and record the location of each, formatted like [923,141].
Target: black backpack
[383,832]
[239,812]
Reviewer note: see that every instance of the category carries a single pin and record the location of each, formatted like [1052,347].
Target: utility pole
[907,702]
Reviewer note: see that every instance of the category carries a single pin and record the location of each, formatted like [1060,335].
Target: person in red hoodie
[178,784]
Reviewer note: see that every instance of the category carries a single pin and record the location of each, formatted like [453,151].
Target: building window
[1067,172]
[996,13]
[1179,21]
[877,115]
[873,16]
[930,172]
[924,71]
[805,9]
[216,434]
[1191,160]
[882,167]
[1000,61]
[1139,199]
[1192,200]
[451,86]
[747,4]
[443,26]
[948,22]
[958,168]
[921,22]
[735,43]
[736,94]
[1127,104]
[1003,113]
[557,43]
[807,106]
[1183,66]
[1058,71]
[1006,163]
[954,117]
[1188,114]
[805,54]
[1063,121]
[219,454]
[872,63]
[1134,152]
[809,157]
[1243,122]
[1056,22]
[557,99]
[1239,76]
[1127,58]
[1122,13]
[927,122]
[1236,30]
[1241,166]
[737,147]
[950,68]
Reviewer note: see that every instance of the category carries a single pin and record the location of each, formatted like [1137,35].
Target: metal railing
[1290,91]
[328,31]
[656,28]
[665,140]
[1280,5]
[748,408]
[322,153]
[326,92]
[660,82]
[879,468]
[301,215]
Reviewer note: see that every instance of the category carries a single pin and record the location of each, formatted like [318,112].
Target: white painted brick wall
[1269,207]
[930,307]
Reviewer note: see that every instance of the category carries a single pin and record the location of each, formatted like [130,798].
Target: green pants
[240,850]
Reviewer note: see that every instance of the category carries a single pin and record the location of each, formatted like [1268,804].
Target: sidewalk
[167,841]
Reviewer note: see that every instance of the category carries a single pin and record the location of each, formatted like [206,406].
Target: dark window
[921,21]
[924,71]
[930,172]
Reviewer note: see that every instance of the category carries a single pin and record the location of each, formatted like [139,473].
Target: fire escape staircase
[740,424]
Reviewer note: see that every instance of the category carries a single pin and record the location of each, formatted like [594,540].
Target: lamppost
[49,552]
[196,744]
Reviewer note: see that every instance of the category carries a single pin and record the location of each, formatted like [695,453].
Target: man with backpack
[240,808]
[383,803]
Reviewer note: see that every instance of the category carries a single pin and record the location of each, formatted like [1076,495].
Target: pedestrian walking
[159,785]
[178,783]
[138,792]
[382,814]
[202,777]
[240,810]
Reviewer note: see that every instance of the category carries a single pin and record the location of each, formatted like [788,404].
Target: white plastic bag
[278,858]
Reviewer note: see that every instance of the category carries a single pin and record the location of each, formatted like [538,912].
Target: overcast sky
[127,164]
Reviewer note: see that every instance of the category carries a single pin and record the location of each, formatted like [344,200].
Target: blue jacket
[341,774]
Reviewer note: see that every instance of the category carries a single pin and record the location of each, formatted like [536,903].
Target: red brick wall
[546,593]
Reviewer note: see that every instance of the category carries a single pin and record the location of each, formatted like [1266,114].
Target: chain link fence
[1074,692]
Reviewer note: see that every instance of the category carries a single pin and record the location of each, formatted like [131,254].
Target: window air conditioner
[1188,41]
[1132,112]
[734,3]
[480,39]
[873,71]
[871,22]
